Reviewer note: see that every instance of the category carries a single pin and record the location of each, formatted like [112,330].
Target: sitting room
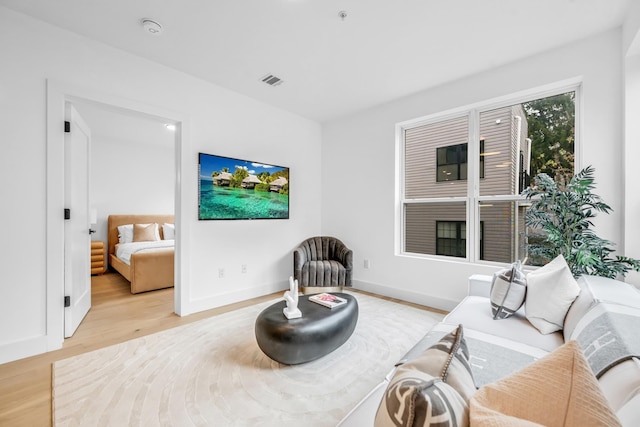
[413,138]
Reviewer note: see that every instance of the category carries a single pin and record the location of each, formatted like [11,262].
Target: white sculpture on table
[291,311]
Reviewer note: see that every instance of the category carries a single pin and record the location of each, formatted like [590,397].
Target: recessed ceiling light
[170,126]
[152,27]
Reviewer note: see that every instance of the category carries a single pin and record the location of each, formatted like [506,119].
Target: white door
[77,237]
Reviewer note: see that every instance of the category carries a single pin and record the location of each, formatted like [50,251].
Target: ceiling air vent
[272,80]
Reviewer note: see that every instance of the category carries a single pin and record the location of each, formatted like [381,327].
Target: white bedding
[125,250]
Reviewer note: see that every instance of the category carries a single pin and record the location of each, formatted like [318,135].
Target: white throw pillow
[550,292]
[125,233]
[169,231]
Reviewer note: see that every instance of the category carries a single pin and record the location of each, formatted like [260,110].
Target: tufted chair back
[322,261]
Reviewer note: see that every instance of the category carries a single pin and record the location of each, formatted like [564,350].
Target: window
[452,162]
[451,238]
[462,175]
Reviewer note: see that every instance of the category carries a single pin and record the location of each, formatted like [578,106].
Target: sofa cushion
[558,389]
[550,292]
[492,357]
[594,290]
[474,313]
[581,305]
[613,291]
[629,414]
[432,389]
[508,291]
[621,383]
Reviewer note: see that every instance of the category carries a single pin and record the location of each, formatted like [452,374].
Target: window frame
[474,252]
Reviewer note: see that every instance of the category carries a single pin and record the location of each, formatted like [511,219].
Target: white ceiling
[383,50]
[111,124]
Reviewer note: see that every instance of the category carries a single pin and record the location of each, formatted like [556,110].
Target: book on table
[328,300]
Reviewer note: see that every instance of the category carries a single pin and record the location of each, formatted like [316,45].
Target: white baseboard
[233,296]
[24,348]
[409,296]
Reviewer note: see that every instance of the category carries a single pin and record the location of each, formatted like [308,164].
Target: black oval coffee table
[317,333]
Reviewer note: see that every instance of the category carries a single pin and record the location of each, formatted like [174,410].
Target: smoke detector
[152,27]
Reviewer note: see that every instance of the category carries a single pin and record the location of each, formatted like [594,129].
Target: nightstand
[98,257]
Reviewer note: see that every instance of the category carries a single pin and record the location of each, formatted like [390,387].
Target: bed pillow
[559,389]
[432,389]
[550,292]
[508,291]
[125,233]
[145,232]
[169,231]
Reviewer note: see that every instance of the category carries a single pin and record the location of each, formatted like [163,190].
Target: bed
[147,268]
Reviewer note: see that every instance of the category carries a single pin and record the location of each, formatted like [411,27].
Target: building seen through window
[444,215]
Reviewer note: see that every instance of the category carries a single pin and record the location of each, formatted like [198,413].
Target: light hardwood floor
[115,316]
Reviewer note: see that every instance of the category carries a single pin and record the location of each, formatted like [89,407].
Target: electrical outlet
[367,264]
[244,268]
[221,273]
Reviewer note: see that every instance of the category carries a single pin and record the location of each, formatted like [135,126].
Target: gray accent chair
[322,264]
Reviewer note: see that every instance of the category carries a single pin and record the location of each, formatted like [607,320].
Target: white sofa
[501,347]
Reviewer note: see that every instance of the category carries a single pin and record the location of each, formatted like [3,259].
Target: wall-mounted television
[231,188]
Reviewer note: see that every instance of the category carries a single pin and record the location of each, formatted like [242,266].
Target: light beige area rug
[212,373]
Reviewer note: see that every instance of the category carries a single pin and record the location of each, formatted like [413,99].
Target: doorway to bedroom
[132,172]
[59,96]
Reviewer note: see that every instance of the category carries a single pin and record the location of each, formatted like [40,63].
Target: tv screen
[241,189]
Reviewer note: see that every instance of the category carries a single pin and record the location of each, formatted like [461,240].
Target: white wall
[631,50]
[144,182]
[631,31]
[359,206]
[220,121]
[631,156]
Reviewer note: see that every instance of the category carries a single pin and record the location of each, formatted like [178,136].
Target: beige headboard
[115,220]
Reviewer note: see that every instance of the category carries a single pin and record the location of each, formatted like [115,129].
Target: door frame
[58,93]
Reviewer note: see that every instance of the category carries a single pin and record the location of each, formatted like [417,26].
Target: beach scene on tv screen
[241,189]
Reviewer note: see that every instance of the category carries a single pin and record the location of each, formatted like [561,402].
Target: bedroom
[134,154]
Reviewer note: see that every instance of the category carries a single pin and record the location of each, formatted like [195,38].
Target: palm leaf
[563,215]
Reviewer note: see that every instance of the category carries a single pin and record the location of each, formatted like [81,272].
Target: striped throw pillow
[508,291]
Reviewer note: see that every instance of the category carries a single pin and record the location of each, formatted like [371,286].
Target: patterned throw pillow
[433,389]
[508,291]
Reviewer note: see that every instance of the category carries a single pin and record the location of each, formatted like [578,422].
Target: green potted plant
[559,221]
